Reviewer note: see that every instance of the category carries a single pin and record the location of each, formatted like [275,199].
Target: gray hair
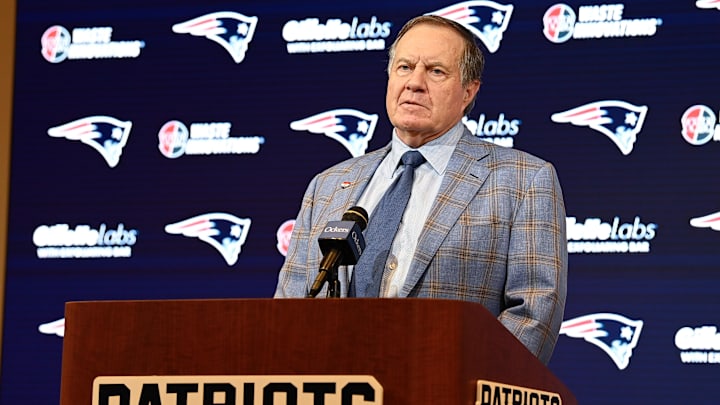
[472,60]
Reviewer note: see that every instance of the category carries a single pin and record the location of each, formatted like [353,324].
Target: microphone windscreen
[357,214]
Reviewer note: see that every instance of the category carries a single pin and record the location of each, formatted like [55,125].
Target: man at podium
[482,223]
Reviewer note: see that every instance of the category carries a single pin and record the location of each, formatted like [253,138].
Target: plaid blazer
[494,235]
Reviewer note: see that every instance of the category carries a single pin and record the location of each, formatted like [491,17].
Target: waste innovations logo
[61,241]
[560,23]
[86,43]
[107,135]
[352,128]
[487,20]
[620,121]
[310,35]
[699,125]
[698,345]
[283,235]
[593,235]
[615,334]
[225,232]
[204,138]
[500,131]
[231,30]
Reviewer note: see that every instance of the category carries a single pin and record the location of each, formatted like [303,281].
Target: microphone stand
[333,283]
[328,273]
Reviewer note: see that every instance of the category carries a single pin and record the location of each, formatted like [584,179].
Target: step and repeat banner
[161,149]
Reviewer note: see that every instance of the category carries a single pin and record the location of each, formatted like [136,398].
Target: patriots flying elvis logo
[708,4]
[106,135]
[233,31]
[487,20]
[56,327]
[618,120]
[352,128]
[224,232]
[615,334]
[711,221]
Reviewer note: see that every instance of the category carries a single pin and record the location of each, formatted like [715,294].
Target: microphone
[341,243]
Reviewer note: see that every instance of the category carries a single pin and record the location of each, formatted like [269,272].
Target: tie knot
[412,158]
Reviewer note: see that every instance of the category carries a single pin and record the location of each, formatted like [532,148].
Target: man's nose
[416,80]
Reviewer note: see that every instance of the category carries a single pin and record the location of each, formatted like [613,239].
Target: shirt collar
[437,152]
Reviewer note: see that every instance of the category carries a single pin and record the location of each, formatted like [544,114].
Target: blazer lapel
[467,170]
[349,183]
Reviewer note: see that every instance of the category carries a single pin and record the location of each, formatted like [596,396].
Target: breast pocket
[471,262]
[479,233]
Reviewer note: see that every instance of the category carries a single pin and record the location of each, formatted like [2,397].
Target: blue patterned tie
[383,225]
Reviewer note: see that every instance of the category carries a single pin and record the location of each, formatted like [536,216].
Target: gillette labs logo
[500,131]
[86,43]
[211,138]
[59,241]
[560,23]
[699,345]
[596,236]
[335,35]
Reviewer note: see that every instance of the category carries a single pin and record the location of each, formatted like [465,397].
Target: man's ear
[471,90]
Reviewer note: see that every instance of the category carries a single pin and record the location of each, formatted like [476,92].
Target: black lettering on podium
[364,389]
[107,391]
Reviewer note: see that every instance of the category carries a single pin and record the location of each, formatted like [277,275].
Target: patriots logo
[224,232]
[233,31]
[618,120]
[615,334]
[487,20]
[106,135]
[711,221]
[708,4]
[352,128]
[53,328]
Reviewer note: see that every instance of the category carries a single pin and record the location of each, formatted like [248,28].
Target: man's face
[425,96]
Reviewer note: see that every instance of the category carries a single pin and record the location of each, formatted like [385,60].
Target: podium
[401,351]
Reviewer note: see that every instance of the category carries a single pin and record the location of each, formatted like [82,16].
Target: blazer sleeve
[536,284]
[293,280]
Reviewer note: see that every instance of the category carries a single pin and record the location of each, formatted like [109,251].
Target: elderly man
[482,223]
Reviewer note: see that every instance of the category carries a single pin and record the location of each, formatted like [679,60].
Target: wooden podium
[419,351]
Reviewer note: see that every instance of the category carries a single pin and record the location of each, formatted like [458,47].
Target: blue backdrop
[138,125]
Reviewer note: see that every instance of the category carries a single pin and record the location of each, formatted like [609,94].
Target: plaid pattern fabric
[495,235]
